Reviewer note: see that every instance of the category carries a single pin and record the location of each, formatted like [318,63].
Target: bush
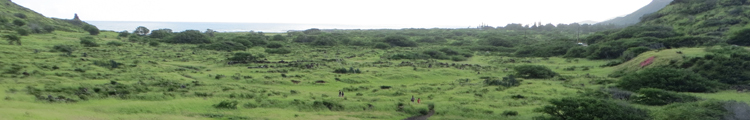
[278,51]
[88,42]
[91,29]
[400,41]
[584,108]
[509,81]
[22,32]
[224,46]
[458,58]
[245,57]
[153,43]
[667,79]
[612,63]
[115,43]
[330,105]
[382,46]
[161,33]
[20,15]
[706,110]
[741,37]
[226,105]
[534,71]
[510,113]
[18,22]
[13,38]
[190,37]
[63,48]
[278,37]
[633,52]
[652,96]
[730,69]
[274,45]
[124,34]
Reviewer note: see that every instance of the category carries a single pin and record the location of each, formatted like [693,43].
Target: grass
[438,85]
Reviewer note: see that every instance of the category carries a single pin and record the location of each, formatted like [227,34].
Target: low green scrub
[652,96]
[668,79]
[591,109]
[534,71]
[278,51]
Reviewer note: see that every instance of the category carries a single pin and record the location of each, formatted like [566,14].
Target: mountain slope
[634,17]
[702,17]
[33,21]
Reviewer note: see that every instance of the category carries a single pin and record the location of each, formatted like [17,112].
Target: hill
[634,17]
[14,16]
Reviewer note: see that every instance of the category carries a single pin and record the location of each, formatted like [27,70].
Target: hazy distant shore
[241,27]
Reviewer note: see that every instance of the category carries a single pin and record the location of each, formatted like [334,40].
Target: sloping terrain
[635,17]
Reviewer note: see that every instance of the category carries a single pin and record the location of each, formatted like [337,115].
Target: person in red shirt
[419,100]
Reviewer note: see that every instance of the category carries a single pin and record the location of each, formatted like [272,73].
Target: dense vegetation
[512,72]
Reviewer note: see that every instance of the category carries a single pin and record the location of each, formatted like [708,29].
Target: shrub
[741,37]
[274,45]
[153,43]
[226,105]
[278,51]
[246,57]
[706,110]
[633,52]
[584,108]
[458,58]
[612,63]
[63,48]
[124,34]
[13,38]
[534,71]
[667,79]
[224,46]
[161,33]
[115,43]
[510,113]
[22,32]
[382,46]
[278,37]
[91,29]
[652,96]
[330,105]
[18,22]
[509,81]
[400,41]
[190,37]
[20,15]
[88,42]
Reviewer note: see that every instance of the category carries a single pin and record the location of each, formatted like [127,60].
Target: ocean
[241,27]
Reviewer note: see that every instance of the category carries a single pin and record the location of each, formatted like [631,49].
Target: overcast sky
[363,12]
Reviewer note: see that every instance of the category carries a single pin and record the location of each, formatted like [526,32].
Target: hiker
[419,100]
[412,98]
[340,93]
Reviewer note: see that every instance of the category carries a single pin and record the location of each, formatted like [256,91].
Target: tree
[534,71]
[141,31]
[667,79]
[210,32]
[13,38]
[91,29]
[585,108]
[88,42]
[190,37]
[278,37]
[224,46]
[246,57]
[161,33]
[741,37]
[124,33]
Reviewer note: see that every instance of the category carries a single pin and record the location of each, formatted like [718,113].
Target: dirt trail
[422,117]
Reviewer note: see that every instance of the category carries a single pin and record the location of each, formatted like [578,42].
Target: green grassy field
[276,97]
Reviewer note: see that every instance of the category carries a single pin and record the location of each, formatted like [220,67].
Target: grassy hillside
[33,21]
[634,17]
